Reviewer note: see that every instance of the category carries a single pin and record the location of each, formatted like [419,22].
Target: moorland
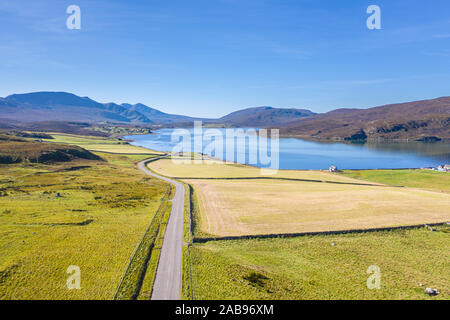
[90,209]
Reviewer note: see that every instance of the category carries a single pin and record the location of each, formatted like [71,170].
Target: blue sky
[211,57]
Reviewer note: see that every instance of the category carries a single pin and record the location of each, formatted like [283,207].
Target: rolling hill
[158,116]
[62,107]
[426,120]
[14,149]
[264,116]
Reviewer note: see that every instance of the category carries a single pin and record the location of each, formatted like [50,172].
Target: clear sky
[211,57]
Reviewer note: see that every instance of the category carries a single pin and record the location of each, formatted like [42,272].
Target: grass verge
[149,279]
[131,283]
[195,215]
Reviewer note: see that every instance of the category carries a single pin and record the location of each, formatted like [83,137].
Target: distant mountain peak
[65,106]
[265,116]
[52,98]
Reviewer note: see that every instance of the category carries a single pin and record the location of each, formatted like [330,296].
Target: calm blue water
[305,155]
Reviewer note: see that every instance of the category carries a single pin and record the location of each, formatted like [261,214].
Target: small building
[333,169]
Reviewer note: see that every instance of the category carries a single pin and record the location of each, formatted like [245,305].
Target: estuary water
[297,154]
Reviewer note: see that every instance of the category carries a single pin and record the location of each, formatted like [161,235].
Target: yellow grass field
[249,207]
[219,169]
[118,148]
[100,144]
[97,222]
[312,201]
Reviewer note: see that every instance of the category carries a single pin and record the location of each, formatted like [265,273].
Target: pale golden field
[119,149]
[312,201]
[218,169]
[249,207]
[100,144]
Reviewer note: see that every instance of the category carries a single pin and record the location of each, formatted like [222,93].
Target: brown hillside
[427,120]
[15,150]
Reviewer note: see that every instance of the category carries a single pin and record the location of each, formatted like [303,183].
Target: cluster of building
[444,168]
[333,169]
[441,168]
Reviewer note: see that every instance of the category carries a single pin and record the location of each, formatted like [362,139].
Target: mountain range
[63,106]
[427,120]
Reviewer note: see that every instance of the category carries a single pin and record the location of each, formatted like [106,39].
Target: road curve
[167,285]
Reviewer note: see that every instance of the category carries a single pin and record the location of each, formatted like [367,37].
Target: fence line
[191,240]
[303,234]
[287,179]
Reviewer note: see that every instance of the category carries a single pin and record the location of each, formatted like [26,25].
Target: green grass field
[312,268]
[110,145]
[424,179]
[97,222]
[78,139]
[138,279]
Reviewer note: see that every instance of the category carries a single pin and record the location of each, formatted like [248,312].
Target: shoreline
[131,141]
[256,167]
[310,138]
[338,139]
